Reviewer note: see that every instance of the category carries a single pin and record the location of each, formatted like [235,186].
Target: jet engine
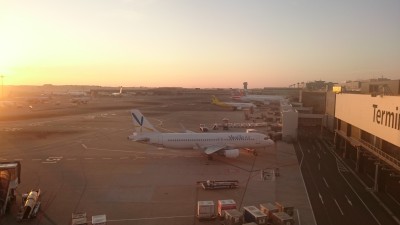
[231,153]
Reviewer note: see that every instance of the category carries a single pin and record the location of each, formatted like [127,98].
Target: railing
[383,155]
[392,161]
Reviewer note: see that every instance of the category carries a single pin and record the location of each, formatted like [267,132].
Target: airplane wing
[213,149]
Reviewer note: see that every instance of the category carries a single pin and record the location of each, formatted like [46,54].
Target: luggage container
[268,209]
[79,218]
[99,220]
[282,218]
[253,214]
[225,205]
[283,207]
[205,210]
[233,217]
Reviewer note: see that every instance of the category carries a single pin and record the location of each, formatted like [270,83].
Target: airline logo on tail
[215,101]
[238,94]
[141,123]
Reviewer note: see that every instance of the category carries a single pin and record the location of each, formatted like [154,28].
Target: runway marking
[298,216]
[53,159]
[354,191]
[88,158]
[341,167]
[106,158]
[348,200]
[150,218]
[109,150]
[320,197]
[3,159]
[18,159]
[318,155]
[304,185]
[340,209]
[49,162]
[326,183]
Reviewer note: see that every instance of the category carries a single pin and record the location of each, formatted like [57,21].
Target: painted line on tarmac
[326,183]
[348,200]
[304,184]
[298,216]
[150,218]
[107,150]
[340,209]
[320,197]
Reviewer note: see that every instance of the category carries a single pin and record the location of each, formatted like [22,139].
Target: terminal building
[363,120]
[367,131]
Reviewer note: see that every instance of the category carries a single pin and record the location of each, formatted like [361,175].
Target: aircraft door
[258,139]
[160,140]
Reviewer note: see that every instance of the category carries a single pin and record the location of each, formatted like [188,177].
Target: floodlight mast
[2,87]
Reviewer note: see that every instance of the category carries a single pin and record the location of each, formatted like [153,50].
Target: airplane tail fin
[236,94]
[120,90]
[141,124]
[214,100]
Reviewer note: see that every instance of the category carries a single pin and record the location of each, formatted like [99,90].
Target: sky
[197,43]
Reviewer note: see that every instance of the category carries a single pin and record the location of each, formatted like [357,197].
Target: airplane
[76,93]
[263,99]
[227,144]
[232,105]
[80,100]
[117,94]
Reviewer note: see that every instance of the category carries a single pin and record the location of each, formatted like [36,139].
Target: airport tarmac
[83,162]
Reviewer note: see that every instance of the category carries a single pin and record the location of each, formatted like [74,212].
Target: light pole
[2,87]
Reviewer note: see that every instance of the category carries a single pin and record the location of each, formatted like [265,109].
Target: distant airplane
[80,100]
[227,144]
[117,94]
[258,99]
[77,93]
[232,105]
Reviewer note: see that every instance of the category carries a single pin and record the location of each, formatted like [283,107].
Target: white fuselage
[204,140]
[259,98]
